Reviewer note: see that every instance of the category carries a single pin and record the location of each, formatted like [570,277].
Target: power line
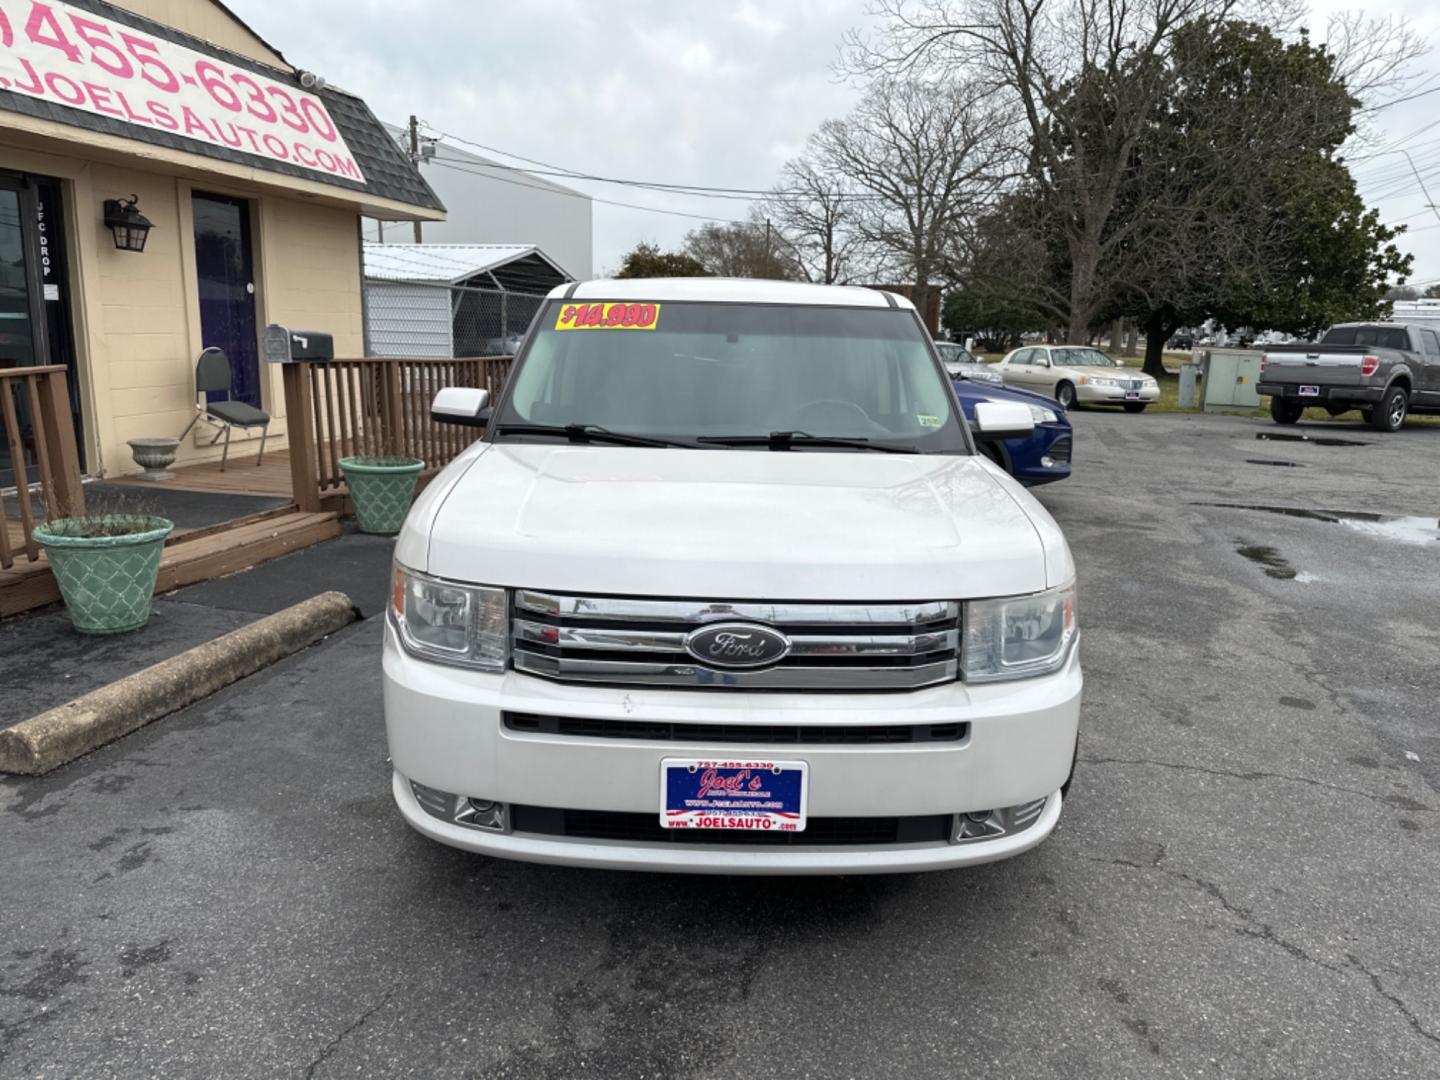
[599,179]
[591,198]
[1400,101]
[700,190]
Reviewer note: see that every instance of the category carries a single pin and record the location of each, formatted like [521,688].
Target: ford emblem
[737,645]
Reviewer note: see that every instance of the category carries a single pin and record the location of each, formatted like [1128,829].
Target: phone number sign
[58,53]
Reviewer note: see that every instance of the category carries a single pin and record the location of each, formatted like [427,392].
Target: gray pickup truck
[1386,370]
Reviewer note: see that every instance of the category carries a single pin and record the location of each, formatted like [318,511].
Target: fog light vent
[482,814]
[433,802]
[990,824]
[460,810]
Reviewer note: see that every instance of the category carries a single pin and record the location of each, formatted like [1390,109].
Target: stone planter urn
[381,487]
[155,456]
[106,566]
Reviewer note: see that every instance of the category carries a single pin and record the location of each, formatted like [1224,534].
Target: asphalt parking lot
[1243,883]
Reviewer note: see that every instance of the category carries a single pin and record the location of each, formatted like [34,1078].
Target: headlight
[1016,637]
[1042,415]
[468,625]
[1100,380]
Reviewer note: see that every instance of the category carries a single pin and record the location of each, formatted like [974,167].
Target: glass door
[35,325]
[22,322]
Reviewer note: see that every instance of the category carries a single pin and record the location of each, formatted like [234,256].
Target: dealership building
[168,183]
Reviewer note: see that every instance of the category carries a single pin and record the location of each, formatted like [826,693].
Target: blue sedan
[1040,459]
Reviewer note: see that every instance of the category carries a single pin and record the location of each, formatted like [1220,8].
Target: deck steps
[189,557]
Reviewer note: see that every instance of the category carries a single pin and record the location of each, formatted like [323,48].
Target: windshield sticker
[927,421]
[608,317]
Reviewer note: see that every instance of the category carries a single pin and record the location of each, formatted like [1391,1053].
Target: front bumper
[445,731]
[1090,394]
[1044,457]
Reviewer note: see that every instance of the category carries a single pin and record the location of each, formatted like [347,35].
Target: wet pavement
[1242,885]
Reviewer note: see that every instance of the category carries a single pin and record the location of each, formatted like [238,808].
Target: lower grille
[758,734]
[1061,448]
[645,829]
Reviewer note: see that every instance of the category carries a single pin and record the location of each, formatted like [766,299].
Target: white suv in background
[726,587]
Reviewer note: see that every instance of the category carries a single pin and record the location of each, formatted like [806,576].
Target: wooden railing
[379,405]
[40,437]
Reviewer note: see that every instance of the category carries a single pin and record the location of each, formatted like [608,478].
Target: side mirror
[461,405]
[996,421]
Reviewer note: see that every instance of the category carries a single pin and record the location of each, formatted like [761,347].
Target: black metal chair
[212,376]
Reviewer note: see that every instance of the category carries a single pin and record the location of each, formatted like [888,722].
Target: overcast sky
[680,91]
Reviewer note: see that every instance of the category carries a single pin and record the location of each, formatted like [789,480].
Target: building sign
[67,56]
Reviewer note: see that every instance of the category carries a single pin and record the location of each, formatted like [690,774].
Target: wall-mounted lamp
[130,227]
[310,81]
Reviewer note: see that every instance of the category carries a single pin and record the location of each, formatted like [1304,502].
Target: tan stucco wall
[208,22]
[137,316]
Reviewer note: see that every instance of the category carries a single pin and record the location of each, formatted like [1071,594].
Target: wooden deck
[241,476]
[196,555]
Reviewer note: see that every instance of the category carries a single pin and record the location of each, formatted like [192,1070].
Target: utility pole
[415,157]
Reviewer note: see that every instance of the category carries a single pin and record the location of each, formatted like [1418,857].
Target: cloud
[684,92]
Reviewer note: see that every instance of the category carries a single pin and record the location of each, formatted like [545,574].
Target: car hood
[733,524]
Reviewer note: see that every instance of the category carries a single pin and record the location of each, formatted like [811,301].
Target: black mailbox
[286,346]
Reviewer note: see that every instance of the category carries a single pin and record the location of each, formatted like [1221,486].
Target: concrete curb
[33,747]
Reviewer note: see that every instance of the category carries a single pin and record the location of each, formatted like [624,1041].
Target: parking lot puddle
[1269,559]
[1318,440]
[1401,528]
[1407,530]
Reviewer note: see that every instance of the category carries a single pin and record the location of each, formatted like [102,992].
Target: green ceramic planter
[381,490]
[107,581]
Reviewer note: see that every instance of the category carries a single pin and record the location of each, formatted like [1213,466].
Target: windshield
[1385,337]
[956,354]
[1081,358]
[695,372]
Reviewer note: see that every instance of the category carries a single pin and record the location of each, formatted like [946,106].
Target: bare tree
[814,212]
[747,249]
[923,159]
[1086,77]
[1089,78]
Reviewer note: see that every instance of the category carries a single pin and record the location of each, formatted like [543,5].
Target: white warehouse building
[488,202]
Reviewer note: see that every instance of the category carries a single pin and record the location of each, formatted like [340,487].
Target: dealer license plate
[1309,391]
[755,796]
[1132,395]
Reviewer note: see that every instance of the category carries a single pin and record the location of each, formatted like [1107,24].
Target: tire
[1135,406]
[1390,413]
[1285,412]
[1337,410]
[1065,395]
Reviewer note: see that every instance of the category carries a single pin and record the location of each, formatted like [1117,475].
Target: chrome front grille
[639,642]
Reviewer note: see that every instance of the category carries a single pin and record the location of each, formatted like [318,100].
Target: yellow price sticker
[616,316]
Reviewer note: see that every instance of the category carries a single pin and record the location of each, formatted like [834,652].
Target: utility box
[1189,379]
[1231,378]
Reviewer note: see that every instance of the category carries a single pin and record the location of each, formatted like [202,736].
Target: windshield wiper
[784,440]
[584,433]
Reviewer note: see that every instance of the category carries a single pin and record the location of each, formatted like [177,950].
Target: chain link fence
[416,319]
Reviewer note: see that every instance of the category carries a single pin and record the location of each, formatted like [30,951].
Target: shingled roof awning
[389,177]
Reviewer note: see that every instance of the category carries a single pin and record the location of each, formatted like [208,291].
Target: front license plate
[1132,395]
[754,796]
[1309,391]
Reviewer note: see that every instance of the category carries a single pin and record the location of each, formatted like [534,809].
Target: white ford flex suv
[725,586]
